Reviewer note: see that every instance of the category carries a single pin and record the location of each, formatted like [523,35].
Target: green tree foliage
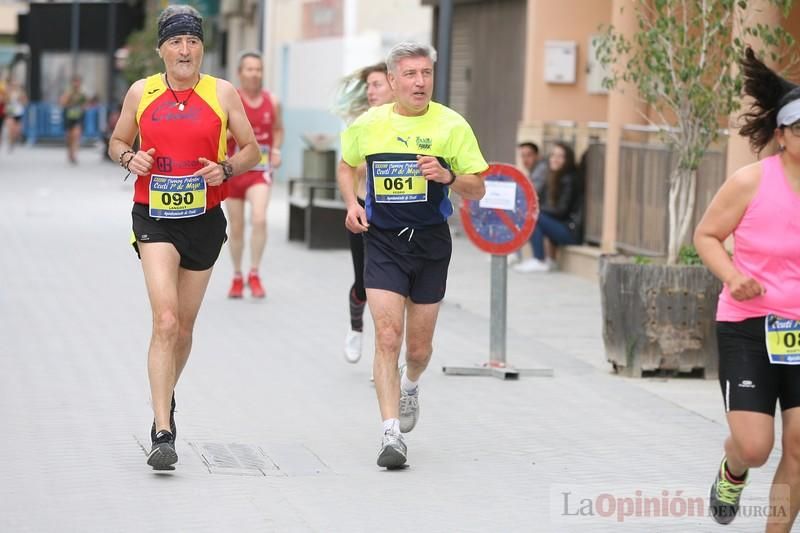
[142,58]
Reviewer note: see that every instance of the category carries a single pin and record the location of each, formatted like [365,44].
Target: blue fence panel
[91,122]
[44,120]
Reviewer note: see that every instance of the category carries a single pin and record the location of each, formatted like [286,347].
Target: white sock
[391,425]
[408,385]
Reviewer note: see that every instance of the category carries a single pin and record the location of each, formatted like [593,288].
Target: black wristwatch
[227,169]
[452,177]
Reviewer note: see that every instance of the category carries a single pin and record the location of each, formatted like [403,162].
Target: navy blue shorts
[748,380]
[198,240]
[412,263]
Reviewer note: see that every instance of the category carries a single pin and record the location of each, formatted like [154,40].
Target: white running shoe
[352,346]
[393,451]
[409,407]
[533,265]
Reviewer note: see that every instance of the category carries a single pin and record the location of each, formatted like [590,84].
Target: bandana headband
[180,24]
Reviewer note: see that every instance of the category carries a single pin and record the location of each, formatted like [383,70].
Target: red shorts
[238,185]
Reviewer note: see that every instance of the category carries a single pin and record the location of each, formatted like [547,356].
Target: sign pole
[497,311]
[500,226]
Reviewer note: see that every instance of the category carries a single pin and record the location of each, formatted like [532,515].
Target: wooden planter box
[658,317]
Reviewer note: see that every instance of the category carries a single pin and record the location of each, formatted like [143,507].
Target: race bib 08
[177,196]
[398,182]
[783,340]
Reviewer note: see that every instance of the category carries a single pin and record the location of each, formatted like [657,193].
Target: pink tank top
[767,248]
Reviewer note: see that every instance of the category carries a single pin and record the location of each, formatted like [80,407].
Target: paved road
[276,431]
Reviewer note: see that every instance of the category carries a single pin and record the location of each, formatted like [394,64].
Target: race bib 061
[398,182]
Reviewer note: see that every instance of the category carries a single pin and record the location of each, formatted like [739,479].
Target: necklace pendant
[180,106]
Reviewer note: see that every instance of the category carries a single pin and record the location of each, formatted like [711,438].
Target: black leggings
[357,253]
[357,295]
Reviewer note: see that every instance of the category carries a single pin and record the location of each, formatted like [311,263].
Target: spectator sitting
[560,210]
[535,167]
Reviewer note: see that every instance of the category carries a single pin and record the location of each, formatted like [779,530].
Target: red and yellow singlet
[180,137]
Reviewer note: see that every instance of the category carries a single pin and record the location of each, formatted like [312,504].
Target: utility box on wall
[560,59]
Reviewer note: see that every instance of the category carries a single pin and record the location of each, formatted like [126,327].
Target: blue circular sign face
[504,219]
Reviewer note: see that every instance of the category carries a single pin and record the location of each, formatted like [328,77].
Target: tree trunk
[682,190]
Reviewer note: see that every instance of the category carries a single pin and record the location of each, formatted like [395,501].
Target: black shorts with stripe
[410,262]
[749,381]
[198,239]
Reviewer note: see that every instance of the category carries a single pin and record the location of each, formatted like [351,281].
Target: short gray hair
[408,49]
[172,10]
[249,53]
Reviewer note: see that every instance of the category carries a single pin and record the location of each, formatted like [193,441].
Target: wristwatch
[452,176]
[227,169]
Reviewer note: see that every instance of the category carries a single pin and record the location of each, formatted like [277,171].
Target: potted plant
[682,62]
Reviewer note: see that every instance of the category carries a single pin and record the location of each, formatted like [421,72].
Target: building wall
[310,45]
[8,16]
[395,20]
[792,25]
[487,72]
[565,20]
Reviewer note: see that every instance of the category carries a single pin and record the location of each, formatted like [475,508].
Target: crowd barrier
[45,121]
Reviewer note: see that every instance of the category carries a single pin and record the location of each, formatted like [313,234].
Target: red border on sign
[531,213]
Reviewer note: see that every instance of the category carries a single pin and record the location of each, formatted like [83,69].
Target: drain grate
[246,460]
[235,459]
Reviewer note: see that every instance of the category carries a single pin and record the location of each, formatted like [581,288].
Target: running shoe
[393,450]
[173,429]
[352,346]
[237,288]
[254,282]
[409,407]
[724,499]
[163,455]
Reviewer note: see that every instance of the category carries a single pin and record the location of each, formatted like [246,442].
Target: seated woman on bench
[559,211]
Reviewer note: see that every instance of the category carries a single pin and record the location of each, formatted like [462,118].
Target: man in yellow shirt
[415,151]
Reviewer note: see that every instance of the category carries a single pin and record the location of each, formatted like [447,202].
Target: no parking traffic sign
[504,219]
[500,223]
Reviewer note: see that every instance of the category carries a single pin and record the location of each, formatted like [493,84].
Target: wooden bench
[316,214]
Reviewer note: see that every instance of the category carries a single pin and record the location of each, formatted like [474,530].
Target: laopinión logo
[648,504]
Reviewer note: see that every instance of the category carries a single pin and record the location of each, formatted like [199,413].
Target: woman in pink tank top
[758,316]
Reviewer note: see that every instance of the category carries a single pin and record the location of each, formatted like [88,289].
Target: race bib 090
[177,196]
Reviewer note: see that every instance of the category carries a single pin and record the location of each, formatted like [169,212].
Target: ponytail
[770,92]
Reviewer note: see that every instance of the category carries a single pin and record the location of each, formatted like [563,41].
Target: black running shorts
[749,381]
[197,239]
[412,263]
